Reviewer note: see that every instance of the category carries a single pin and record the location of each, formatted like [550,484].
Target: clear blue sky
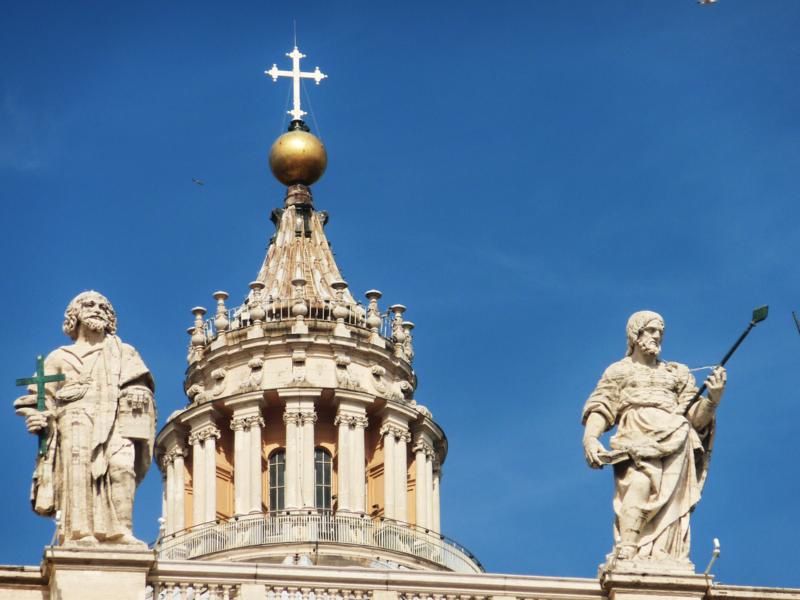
[522,175]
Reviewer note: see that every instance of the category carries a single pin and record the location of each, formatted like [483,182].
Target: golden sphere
[298,157]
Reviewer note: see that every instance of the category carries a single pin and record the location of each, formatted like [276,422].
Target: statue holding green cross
[39,380]
[91,404]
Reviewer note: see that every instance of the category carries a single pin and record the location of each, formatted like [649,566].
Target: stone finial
[339,310]
[399,333]
[257,312]
[373,313]
[221,322]
[408,348]
[299,306]
[198,335]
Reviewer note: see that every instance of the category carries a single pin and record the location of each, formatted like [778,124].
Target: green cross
[40,380]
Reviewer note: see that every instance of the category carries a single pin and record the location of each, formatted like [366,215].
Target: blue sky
[522,175]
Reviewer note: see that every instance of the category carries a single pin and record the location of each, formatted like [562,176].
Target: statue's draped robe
[649,406]
[74,475]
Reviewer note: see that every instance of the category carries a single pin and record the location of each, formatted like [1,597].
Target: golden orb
[298,156]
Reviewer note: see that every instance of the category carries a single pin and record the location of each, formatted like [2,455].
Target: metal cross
[40,380]
[296,74]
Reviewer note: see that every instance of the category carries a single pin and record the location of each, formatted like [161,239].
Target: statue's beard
[95,323]
[649,347]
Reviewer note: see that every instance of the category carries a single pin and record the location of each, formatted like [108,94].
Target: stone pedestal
[96,574]
[632,586]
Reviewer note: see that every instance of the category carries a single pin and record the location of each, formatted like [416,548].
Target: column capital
[203,433]
[351,421]
[299,416]
[254,420]
[423,446]
[396,431]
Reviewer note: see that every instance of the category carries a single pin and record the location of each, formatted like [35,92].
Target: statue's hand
[716,384]
[592,448]
[35,420]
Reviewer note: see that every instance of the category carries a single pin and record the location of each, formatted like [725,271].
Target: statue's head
[646,330]
[93,310]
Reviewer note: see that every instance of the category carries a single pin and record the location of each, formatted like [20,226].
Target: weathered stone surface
[100,424]
[659,450]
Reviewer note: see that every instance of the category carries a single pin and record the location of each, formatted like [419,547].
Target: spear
[759,314]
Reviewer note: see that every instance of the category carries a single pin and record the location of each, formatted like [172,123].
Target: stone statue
[660,449]
[100,424]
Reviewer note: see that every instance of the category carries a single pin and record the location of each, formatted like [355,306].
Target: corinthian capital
[399,433]
[352,421]
[204,433]
[254,420]
[424,447]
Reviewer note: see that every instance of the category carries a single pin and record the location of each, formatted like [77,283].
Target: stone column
[436,523]
[241,464]
[299,417]
[395,470]
[211,434]
[344,461]
[389,467]
[256,423]
[359,494]
[421,495]
[169,491]
[351,419]
[178,509]
[198,479]
[291,417]
[401,475]
[308,418]
[429,487]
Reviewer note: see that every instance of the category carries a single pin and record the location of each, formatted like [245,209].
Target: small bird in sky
[198,181]
[706,1]
[796,321]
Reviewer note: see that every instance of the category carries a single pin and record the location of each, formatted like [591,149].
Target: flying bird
[796,321]
[198,181]
[706,1]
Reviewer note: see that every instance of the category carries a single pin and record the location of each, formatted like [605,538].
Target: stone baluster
[340,309]
[374,318]
[398,332]
[221,321]
[299,305]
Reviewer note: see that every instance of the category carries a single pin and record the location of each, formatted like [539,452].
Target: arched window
[277,480]
[322,478]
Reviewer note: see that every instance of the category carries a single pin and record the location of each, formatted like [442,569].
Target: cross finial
[296,74]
